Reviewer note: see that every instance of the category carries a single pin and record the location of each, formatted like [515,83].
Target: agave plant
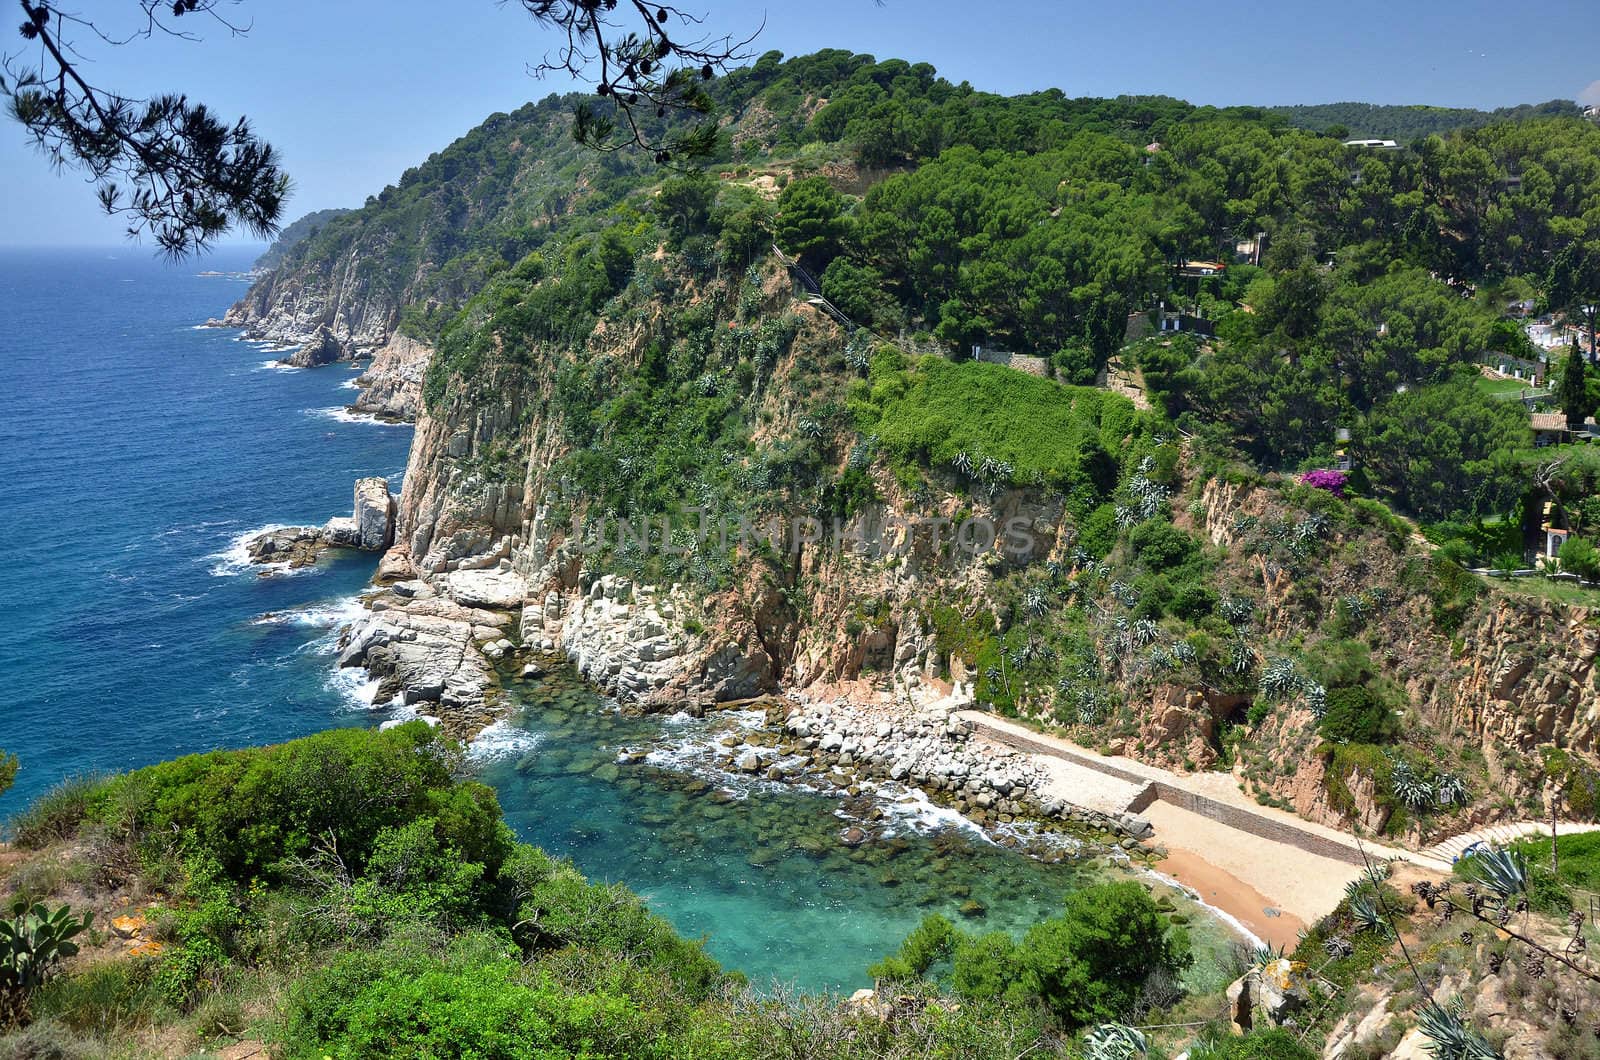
[1364,908]
[1501,872]
[1355,605]
[1127,517]
[1036,601]
[810,428]
[1236,610]
[1316,698]
[1279,678]
[1450,790]
[1124,594]
[1114,1041]
[1241,656]
[1449,1038]
[1144,631]
[962,463]
[1412,790]
[1183,652]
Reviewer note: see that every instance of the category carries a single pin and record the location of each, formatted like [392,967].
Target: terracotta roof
[1549,421]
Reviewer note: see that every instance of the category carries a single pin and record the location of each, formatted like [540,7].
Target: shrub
[1356,715]
[256,810]
[1161,546]
[57,813]
[1088,964]
[1580,557]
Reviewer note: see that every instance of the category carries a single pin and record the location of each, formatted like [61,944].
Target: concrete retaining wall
[1277,830]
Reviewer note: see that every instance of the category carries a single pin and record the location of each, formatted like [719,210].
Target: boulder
[374,514]
[322,348]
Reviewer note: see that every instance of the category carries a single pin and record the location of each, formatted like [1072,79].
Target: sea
[139,449]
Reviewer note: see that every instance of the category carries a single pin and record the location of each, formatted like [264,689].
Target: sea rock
[322,348]
[292,546]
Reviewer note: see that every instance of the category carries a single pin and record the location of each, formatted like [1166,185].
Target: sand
[1245,875]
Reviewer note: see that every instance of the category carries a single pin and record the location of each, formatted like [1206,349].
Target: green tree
[1581,558]
[1088,964]
[1574,392]
[810,222]
[8,771]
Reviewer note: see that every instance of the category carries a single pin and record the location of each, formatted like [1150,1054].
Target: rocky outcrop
[293,305]
[322,348]
[391,387]
[431,653]
[369,527]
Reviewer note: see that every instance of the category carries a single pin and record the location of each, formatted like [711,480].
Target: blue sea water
[136,450]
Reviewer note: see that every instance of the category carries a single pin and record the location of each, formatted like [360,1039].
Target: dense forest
[1409,123]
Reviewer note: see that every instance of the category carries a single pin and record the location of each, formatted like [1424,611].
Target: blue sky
[353,92]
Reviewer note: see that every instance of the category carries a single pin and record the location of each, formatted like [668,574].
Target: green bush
[1088,964]
[1580,557]
[254,810]
[1085,966]
[57,813]
[1273,1044]
[1356,715]
[1161,546]
[557,907]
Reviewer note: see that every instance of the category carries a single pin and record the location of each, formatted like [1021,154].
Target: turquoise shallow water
[135,450]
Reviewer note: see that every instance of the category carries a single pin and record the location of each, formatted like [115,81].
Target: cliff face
[318,303]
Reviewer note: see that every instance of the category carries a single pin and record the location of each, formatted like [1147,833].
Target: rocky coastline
[369,528]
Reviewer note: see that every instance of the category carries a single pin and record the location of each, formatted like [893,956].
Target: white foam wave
[911,809]
[354,684]
[330,615]
[235,559]
[275,365]
[502,740]
[341,414]
[1221,914]
[349,384]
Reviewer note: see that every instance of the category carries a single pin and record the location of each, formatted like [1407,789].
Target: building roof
[1548,421]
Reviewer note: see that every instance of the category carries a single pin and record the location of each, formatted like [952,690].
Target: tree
[8,771]
[190,176]
[1087,965]
[1580,557]
[810,221]
[1576,396]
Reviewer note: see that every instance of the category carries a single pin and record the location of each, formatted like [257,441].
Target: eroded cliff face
[293,306]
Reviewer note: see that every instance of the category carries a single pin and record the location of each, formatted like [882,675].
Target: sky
[353,92]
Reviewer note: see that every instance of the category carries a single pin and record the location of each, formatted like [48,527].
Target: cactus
[34,940]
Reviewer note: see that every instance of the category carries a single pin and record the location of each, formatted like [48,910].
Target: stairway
[1500,835]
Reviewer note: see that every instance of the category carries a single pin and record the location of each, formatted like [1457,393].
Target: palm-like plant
[1502,872]
[1114,1041]
[1449,1038]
